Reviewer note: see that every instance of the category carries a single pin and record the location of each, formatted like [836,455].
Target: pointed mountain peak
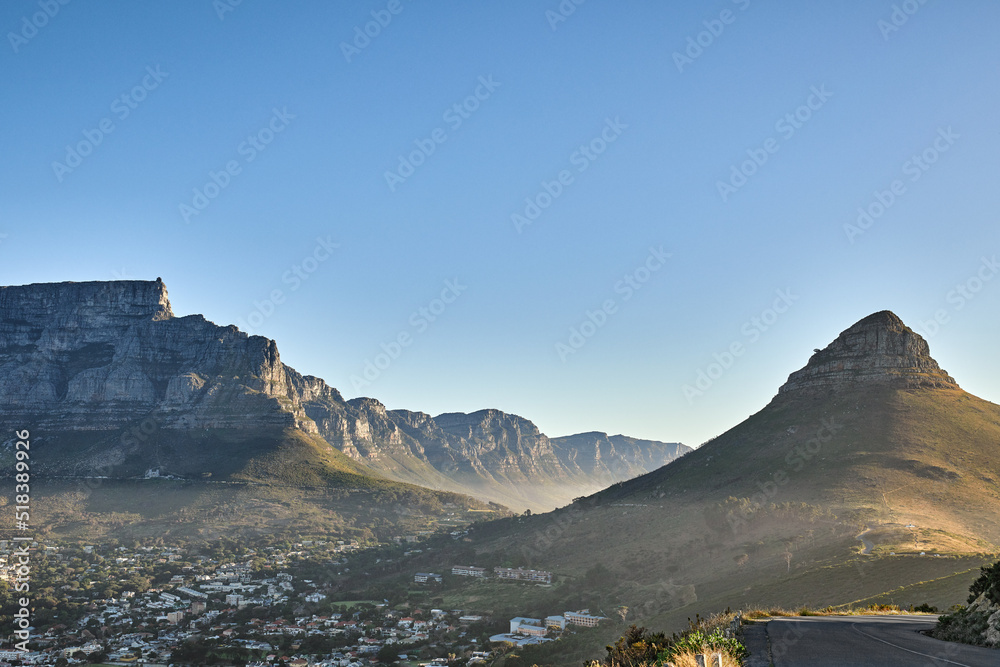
[879,349]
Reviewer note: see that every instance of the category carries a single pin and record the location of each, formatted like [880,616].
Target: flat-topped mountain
[118,386]
[100,355]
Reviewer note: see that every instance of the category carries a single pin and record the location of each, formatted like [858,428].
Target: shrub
[968,624]
[961,626]
[698,641]
[638,646]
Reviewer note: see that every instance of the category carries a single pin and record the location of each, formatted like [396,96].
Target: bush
[968,624]
[697,641]
[638,646]
[961,626]
[924,608]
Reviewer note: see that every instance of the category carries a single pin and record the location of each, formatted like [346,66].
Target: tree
[988,583]
[388,653]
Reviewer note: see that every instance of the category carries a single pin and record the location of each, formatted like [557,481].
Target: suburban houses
[160,605]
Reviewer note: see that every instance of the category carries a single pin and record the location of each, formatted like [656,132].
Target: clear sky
[653,175]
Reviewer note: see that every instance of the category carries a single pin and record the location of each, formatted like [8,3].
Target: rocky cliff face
[99,355]
[490,453]
[109,357]
[879,349]
[614,458]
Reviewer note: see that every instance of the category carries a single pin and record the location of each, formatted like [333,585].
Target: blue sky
[276,125]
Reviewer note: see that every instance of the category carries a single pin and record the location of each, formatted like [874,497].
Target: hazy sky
[653,176]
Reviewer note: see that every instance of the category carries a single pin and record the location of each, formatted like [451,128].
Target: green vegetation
[972,624]
[640,647]
[987,584]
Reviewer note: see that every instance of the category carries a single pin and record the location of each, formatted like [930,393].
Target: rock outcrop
[108,357]
[879,349]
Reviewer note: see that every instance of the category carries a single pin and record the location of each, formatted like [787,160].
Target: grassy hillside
[772,511]
[231,482]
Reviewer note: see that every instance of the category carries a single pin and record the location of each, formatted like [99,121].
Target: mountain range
[871,475]
[115,385]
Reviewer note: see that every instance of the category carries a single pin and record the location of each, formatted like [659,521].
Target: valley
[870,478]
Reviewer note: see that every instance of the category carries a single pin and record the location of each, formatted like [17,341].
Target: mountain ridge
[105,356]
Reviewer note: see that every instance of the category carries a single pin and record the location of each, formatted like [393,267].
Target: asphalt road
[878,641]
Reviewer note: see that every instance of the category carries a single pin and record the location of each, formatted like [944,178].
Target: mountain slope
[870,436]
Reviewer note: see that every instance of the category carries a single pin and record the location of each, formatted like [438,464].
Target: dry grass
[690,660]
[756,613]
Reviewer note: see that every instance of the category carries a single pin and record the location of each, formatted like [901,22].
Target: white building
[520,625]
[582,617]
[468,571]
[555,622]
[520,574]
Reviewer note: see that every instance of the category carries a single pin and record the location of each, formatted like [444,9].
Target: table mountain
[118,386]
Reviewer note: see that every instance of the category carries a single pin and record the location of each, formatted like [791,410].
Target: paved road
[869,545]
[878,641]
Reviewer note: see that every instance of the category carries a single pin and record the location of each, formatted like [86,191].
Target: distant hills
[871,438]
[114,386]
